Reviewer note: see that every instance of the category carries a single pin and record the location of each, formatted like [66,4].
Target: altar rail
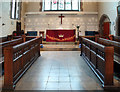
[100,59]
[18,59]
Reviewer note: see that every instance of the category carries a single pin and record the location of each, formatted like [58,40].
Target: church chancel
[60,45]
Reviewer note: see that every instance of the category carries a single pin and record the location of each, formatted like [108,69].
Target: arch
[104,18]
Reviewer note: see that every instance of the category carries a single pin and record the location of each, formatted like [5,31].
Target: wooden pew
[17,40]
[6,38]
[27,38]
[88,37]
[116,38]
[16,37]
[94,38]
[2,46]
[116,46]
[3,39]
[32,37]
[17,59]
[100,59]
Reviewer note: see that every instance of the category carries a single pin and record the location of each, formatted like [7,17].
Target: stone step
[60,49]
[60,43]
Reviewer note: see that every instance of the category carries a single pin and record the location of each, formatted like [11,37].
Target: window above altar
[61,5]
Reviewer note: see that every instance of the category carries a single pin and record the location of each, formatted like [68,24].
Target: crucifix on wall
[61,17]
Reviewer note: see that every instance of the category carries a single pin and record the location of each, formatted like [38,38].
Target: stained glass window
[47,4]
[54,4]
[62,5]
[68,5]
[13,9]
[75,5]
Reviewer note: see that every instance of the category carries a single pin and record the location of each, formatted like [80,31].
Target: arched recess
[104,25]
[118,26]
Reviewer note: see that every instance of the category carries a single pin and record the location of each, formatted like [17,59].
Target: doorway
[106,30]
[104,25]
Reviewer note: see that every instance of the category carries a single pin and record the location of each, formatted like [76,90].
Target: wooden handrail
[18,59]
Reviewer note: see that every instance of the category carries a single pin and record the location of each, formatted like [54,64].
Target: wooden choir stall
[102,54]
[18,55]
[100,59]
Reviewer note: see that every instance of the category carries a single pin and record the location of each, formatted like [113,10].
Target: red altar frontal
[60,35]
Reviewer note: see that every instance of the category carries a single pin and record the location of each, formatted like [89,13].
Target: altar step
[61,43]
[59,47]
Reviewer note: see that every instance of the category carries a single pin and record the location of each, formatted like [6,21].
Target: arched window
[61,5]
[15,12]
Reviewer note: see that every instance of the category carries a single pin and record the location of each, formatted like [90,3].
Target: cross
[61,17]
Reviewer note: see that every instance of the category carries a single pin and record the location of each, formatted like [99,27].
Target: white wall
[43,22]
[110,9]
[32,7]
[0,19]
[10,25]
[23,10]
[90,7]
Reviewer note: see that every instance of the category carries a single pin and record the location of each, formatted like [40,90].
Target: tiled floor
[61,70]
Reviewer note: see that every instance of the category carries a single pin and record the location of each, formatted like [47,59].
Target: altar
[60,35]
